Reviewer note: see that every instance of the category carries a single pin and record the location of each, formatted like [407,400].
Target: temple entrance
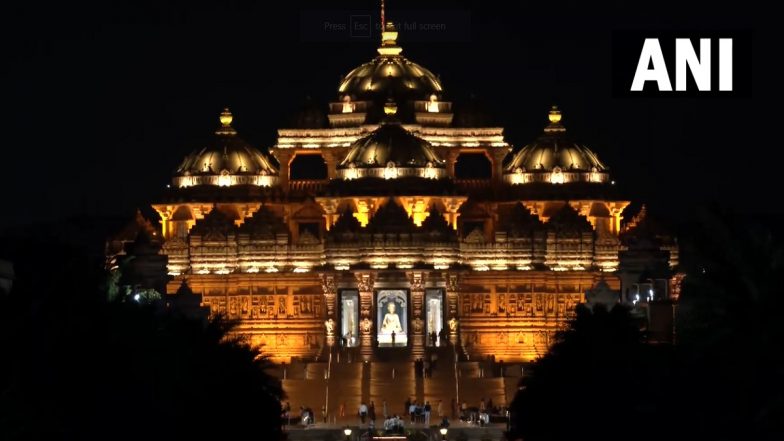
[434,313]
[392,318]
[349,318]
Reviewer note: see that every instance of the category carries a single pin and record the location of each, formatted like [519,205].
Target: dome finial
[389,40]
[226,117]
[390,108]
[555,115]
[555,121]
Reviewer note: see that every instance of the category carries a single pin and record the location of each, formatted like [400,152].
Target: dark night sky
[101,102]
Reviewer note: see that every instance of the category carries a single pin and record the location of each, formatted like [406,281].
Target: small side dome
[390,152]
[553,158]
[227,161]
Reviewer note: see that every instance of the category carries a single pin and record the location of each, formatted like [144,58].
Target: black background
[101,101]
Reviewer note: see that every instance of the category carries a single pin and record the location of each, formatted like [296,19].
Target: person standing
[406,406]
[363,412]
[324,413]
[427,413]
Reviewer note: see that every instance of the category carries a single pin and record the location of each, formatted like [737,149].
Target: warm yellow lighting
[430,171]
[342,267]
[432,105]
[557,176]
[348,106]
[271,269]
[389,41]
[224,180]
[481,268]
[300,269]
[390,172]
[253,269]
[352,172]
[390,108]
[226,117]
[555,115]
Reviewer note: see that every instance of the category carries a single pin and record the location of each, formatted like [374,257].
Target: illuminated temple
[394,248]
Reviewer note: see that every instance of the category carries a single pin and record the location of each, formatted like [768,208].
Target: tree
[598,381]
[76,366]
[730,382]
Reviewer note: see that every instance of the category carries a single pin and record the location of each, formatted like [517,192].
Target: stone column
[329,287]
[417,284]
[284,159]
[452,307]
[331,160]
[451,160]
[498,154]
[365,283]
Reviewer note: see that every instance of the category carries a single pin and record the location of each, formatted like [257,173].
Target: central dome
[389,75]
[389,152]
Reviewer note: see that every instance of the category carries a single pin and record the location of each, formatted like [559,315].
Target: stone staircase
[441,384]
[345,387]
[394,381]
[395,390]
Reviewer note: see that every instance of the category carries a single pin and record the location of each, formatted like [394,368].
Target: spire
[555,121]
[382,15]
[389,41]
[225,119]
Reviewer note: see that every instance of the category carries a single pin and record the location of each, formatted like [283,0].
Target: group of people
[393,424]
[418,412]
[479,415]
[424,366]
[438,339]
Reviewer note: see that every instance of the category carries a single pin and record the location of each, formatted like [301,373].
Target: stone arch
[473,165]
[308,166]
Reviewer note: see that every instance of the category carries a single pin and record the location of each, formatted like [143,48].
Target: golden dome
[227,161]
[390,75]
[391,151]
[554,158]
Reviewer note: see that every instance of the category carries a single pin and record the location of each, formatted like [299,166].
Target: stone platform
[457,432]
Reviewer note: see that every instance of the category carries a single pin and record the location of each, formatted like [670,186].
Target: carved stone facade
[503,260]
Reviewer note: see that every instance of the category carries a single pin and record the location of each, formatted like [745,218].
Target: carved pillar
[365,282]
[451,160]
[329,287]
[417,284]
[284,157]
[498,154]
[331,161]
[452,304]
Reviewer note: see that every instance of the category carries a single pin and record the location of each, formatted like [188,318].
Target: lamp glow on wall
[390,172]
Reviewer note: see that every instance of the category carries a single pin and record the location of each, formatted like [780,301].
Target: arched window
[473,166]
[306,167]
